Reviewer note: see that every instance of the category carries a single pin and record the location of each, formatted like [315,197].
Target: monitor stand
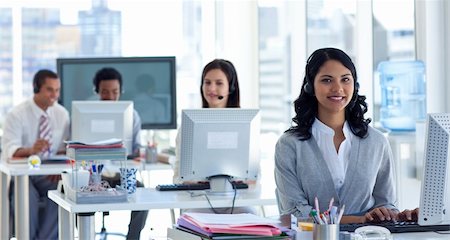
[220,185]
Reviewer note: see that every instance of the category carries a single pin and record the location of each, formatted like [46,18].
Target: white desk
[21,172]
[146,199]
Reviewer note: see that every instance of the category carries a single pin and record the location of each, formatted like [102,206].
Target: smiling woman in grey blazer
[331,151]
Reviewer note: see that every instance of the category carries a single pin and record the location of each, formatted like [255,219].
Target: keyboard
[195,186]
[397,227]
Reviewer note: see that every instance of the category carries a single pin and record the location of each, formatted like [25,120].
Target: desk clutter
[83,183]
[327,223]
[226,226]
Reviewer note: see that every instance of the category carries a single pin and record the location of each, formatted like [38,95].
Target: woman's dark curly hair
[306,104]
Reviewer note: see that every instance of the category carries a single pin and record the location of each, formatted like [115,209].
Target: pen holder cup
[128,179]
[326,232]
[95,179]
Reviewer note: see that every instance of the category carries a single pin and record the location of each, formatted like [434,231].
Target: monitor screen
[435,195]
[100,120]
[147,81]
[219,142]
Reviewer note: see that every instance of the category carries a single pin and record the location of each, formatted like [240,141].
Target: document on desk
[107,143]
[209,224]
[234,219]
[52,159]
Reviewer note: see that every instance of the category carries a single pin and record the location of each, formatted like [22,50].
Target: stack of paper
[108,143]
[110,149]
[233,226]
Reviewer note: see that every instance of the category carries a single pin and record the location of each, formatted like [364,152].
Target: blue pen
[100,168]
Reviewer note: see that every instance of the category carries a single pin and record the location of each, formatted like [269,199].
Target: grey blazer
[301,174]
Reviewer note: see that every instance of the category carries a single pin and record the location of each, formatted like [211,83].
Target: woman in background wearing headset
[220,86]
[331,151]
[219,89]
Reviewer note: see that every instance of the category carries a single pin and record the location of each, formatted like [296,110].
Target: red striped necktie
[45,132]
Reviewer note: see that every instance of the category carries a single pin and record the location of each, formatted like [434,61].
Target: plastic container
[75,179]
[403,94]
[151,153]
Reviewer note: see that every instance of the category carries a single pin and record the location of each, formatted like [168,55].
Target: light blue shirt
[136,143]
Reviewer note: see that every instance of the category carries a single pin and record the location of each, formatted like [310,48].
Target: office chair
[103,233]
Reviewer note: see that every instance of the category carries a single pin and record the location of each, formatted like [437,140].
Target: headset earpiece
[232,88]
[308,88]
[36,86]
[233,77]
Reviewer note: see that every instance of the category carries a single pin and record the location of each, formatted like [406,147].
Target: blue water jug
[403,99]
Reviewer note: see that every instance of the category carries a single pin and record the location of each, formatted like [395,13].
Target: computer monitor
[435,194]
[100,120]
[220,143]
[149,82]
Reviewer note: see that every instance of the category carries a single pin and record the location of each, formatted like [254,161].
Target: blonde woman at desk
[219,89]
[331,151]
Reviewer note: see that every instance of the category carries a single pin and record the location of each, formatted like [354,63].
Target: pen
[323,218]
[333,213]
[100,168]
[327,217]
[331,204]
[341,213]
[316,202]
[315,216]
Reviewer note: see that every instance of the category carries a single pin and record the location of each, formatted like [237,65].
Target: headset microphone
[220,97]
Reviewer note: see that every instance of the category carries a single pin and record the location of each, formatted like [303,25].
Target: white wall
[238,42]
[433,47]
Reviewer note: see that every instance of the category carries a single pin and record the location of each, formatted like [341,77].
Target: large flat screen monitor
[219,142]
[147,81]
[435,195]
[94,121]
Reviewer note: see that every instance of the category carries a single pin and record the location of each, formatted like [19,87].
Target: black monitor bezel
[60,62]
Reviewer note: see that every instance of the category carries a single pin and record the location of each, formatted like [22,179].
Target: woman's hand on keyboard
[409,215]
[381,214]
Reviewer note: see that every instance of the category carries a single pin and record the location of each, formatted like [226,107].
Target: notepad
[56,159]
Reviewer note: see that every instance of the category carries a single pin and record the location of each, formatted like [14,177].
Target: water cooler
[403,105]
[403,92]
